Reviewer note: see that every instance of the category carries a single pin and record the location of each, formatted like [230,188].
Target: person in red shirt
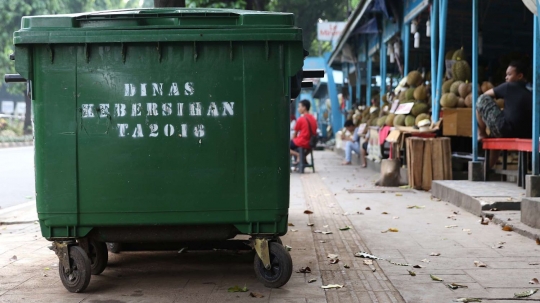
[302,132]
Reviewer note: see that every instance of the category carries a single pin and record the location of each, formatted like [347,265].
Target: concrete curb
[23,213]
[512,218]
[16,144]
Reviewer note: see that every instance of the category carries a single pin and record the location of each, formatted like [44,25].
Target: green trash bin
[161,125]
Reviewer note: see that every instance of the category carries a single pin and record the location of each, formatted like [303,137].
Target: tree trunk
[27,126]
[169,3]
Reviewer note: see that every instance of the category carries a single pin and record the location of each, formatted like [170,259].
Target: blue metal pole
[474,78]
[332,93]
[369,63]
[440,67]
[358,83]
[434,36]
[406,46]
[382,66]
[536,97]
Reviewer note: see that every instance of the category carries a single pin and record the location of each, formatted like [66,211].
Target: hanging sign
[373,44]
[412,8]
[328,31]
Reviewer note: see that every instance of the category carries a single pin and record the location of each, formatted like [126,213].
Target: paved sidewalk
[205,276]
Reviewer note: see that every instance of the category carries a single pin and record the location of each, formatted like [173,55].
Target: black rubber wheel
[281,267]
[114,247]
[79,278]
[278,240]
[98,256]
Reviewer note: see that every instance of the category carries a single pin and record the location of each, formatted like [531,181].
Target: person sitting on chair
[302,132]
[515,121]
[352,143]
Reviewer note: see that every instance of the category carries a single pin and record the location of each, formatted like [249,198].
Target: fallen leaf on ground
[484,221]
[507,228]
[325,226]
[368,208]
[525,294]
[479,264]
[399,195]
[45,275]
[395,217]
[368,262]
[453,217]
[468,300]
[326,232]
[425,261]
[290,224]
[308,212]
[14,258]
[346,266]
[393,229]
[288,248]
[310,224]
[384,213]
[415,207]
[334,261]
[534,263]
[322,241]
[329,286]
[534,281]
[418,266]
[332,256]
[436,254]
[256,295]
[317,231]
[47,268]
[537,241]
[435,278]
[304,270]
[345,228]
[450,226]
[360,213]
[404,187]
[237,288]
[412,273]
[456,286]
[456,212]
[294,230]
[312,280]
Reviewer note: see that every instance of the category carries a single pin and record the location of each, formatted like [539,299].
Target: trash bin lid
[159,24]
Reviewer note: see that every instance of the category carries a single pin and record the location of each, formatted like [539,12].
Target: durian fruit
[461,70]
[446,85]
[464,89]
[420,93]
[468,100]
[381,121]
[461,102]
[403,96]
[409,94]
[390,119]
[410,120]
[414,78]
[449,100]
[449,54]
[421,117]
[399,120]
[459,55]
[486,85]
[419,108]
[454,88]
[500,103]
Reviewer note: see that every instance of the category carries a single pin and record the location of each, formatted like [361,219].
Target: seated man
[351,143]
[515,121]
[305,127]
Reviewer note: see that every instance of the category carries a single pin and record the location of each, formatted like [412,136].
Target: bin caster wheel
[76,278]
[114,247]
[98,256]
[278,240]
[280,266]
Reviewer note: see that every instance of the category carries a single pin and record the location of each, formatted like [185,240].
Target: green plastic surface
[161,133]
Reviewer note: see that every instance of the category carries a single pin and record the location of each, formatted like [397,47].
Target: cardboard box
[457,122]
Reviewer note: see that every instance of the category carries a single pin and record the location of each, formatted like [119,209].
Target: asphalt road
[16,175]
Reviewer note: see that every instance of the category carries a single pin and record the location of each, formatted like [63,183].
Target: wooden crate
[457,122]
[428,159]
